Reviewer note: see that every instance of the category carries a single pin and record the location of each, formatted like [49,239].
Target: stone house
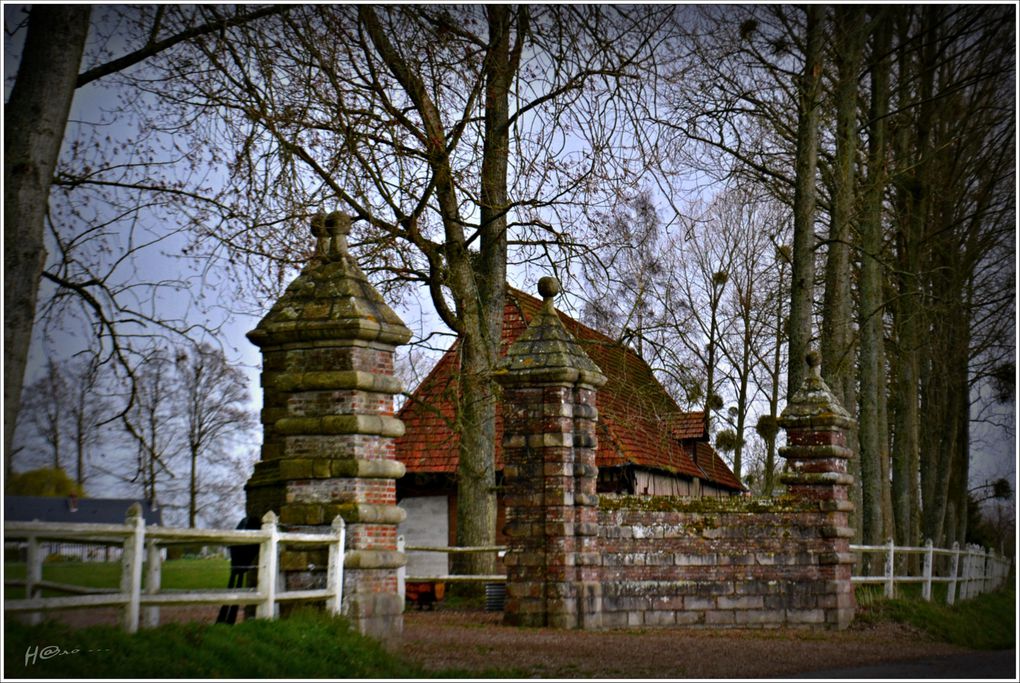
[647,445]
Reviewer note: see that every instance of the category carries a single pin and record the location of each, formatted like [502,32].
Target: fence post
[33,575]
[131,567]
[985,581]
[335,570]
[402,572]
[153,579]
[268,561]
[951,593]
[890,570]
[968,573]
[929,553]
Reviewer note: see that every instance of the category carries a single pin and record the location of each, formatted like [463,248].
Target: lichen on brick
[735,504]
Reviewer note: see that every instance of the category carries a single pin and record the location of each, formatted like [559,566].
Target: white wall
[427,523]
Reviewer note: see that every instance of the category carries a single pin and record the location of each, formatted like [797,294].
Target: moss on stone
[738,504]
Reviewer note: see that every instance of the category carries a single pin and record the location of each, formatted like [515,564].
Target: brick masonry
[328,427]
[578,561]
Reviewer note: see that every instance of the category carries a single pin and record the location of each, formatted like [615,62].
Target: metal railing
[141,549]
[972,570]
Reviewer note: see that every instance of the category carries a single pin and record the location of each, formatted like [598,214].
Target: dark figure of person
[243,560]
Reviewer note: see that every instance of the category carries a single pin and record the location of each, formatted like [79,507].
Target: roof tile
[639,423]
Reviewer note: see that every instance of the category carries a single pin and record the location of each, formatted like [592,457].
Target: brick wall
[733,562]
[575,560]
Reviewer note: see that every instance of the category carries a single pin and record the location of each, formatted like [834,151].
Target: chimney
[72,502]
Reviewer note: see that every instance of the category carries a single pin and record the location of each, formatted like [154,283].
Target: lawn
[987,622]
[176,574]
[306,645]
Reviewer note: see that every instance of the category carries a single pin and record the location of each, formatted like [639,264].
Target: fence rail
[141,545]
[403,578]
[972,570]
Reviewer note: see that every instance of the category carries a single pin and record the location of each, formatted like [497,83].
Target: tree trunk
[907,312]
[777,359]
[34,121]
[837,333]
[871,298]
[803,276]
[193,489]
[744,375]
[476,475]
[716,297]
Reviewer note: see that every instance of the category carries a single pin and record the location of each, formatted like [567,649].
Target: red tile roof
[639,423]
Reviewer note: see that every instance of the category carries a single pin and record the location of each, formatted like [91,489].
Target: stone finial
[546,352]
[814,362]
[338,225]
[330,232]
[548,287]
[814,404]
[318,228]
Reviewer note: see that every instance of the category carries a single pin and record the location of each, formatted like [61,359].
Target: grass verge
[305,645]
[182,574]
[987,622]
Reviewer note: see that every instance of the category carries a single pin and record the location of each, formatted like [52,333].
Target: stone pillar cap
[813,404]
[546,353]
[331,299]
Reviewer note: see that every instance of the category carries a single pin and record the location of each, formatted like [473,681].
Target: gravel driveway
[476,640]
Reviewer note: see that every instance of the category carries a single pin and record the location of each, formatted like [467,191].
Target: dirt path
[476,640]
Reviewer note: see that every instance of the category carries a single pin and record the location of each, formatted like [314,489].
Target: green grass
[987,622]
[868,594]
[176,574]
[305,645]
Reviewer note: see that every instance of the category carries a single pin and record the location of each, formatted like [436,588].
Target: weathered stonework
[549,445]
[578,561]
[816,455]
[328,425]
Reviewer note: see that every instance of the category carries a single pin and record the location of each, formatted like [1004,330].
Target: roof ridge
[569,319]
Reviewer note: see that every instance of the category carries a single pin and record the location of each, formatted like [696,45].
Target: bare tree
[35,116]
[35,121]
[213,396]
[45,419]
[441,130]
[152,424]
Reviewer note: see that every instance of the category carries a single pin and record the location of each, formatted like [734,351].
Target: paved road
[980,665]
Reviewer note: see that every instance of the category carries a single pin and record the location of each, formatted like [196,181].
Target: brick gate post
[329,425]
[549,389]
[816,455]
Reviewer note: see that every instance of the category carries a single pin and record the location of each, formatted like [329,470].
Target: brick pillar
[329,425]
[549,388]
[816,456]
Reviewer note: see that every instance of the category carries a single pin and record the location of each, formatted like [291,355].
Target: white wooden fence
[972,570]
[449,550]
[141,545]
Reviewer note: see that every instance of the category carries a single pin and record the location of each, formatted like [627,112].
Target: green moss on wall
[706,505]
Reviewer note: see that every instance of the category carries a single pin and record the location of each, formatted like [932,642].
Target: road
[999,664]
